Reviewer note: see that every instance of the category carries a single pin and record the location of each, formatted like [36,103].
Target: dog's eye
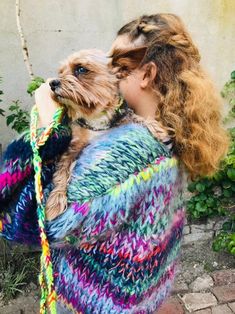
[80,70]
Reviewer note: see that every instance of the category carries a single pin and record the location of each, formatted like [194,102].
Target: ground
[205,284]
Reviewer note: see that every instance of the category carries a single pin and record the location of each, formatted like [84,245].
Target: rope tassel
[46,279]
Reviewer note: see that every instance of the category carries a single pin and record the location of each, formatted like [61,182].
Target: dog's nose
[54,84]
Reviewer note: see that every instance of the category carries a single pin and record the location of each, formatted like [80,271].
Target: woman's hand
[45,103]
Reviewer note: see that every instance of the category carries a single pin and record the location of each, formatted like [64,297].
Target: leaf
[10,119]
[227,193]
[39,79]
[210,202]
[2,112]
[231,174]
[226,184]
[216,246]
[200,187]
[227,226]
[233,75]
[202,197]
[218,176]
[201,207]
[35,84]
[32,86]
[13,107]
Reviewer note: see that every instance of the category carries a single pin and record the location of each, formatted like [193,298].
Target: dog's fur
[88,89]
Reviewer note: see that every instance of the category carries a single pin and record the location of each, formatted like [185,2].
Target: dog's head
[85,85]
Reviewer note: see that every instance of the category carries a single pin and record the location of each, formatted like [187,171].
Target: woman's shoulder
[112,157]
[133,133]
[129,140]
[130,145]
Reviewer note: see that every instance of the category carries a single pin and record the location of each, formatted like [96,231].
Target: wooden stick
[23,42]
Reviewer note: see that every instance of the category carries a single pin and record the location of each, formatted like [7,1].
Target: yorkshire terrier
[88,88]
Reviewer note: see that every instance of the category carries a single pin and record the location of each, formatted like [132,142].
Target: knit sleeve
[17,160]
[128,181]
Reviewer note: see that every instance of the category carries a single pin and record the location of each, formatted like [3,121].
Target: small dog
[88,88]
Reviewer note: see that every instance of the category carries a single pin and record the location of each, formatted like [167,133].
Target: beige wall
[55,28]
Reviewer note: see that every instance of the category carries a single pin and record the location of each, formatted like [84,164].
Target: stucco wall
[53,29]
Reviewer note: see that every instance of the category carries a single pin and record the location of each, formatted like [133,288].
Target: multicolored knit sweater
[115,248]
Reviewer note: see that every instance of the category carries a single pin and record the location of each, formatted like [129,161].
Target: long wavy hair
[189,107]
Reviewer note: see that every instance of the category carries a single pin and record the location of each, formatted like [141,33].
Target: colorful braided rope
[46,280]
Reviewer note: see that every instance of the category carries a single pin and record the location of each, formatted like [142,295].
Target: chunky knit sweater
[115,248]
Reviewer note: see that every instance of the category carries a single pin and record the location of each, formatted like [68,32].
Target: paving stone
[201,283]
[171,306]
[221,309]
[186,230]
[179,287]
[193,272]
[26,305]
[225,293]
[198,228]
[205,311]
[198,301]
[10,310]
[232,306]
[223,277]
[210,224]
[194,237]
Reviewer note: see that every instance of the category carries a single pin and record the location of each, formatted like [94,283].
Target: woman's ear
[149,74]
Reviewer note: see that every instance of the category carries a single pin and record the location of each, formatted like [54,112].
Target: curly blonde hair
[189,107]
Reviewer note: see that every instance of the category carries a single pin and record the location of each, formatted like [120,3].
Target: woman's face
[129,85]
[130,88]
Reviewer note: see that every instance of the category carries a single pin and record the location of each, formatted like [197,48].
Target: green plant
[228,92]
[216,195]
[225,240]
[19,118]
[12,283]
[206,201]
[18,268]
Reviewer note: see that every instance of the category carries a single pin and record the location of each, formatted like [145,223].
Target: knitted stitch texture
[17,159]
[115,249]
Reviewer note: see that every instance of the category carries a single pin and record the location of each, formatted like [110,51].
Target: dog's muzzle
[54,84]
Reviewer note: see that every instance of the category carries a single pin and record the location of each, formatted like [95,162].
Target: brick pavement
[217,296]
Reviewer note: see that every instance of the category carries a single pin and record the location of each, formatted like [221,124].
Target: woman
[115,248]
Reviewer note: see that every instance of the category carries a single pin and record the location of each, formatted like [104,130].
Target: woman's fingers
[45,103]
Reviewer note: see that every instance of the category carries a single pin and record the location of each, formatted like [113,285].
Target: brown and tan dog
[88,89]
